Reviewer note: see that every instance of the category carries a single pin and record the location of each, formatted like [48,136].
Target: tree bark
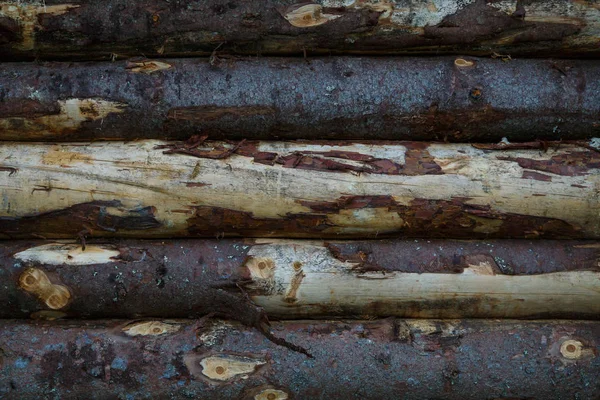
[85,29]
[450,99]
[416,359]
[301,279]
[152,189]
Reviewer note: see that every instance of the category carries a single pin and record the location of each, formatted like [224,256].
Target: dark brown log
[411,359]
[454,99]
[84,29]
[301,279]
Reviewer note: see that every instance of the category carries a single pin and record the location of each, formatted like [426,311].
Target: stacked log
[414,359]
[247,279]
[85,29]
[459,99]
[297,189]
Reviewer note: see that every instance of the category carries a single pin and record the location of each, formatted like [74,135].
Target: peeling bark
[84,29]
[337,98]
[297,189]
[248,279]
[417,359]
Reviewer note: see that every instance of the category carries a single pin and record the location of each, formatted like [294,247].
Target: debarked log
[85,29]
[249,280]
[414,359]
[445,99]
[152,189]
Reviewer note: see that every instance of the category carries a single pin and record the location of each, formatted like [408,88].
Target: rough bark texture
[454,99]
[84,29]
[411,359]
[297,189]
[301,279]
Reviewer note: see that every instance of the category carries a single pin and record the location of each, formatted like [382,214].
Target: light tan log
[298,189]
[304,281]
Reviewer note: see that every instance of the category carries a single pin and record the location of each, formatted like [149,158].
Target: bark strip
[151,189]
[85,29]
[417,359]
[446,98]
[248,279]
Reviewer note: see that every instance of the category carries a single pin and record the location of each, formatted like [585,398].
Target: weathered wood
[84,29]
[454,99]
[297,189]
[301,279]
[414,359]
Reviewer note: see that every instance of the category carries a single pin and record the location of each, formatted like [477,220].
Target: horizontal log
[450,99]
[415,359]
[301,279]
[85,29]
[334,190]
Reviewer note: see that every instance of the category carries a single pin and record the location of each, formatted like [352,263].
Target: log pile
[228,199]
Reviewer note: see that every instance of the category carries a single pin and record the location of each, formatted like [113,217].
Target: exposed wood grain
[297,189]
